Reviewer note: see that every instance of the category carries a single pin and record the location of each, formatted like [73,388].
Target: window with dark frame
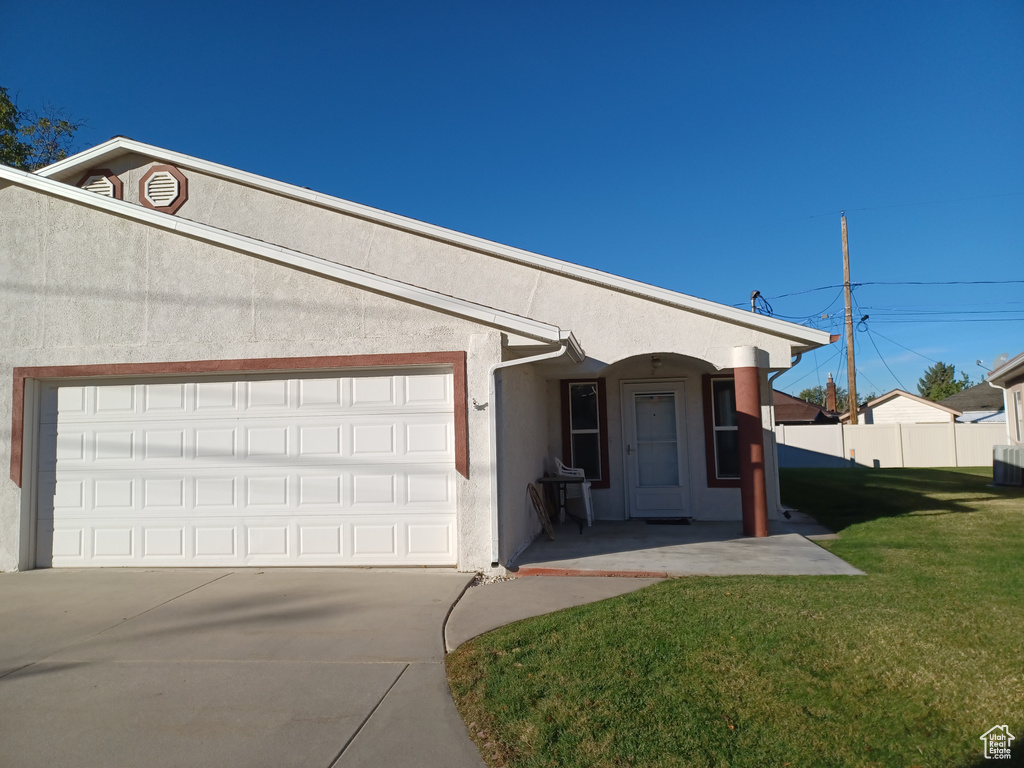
[721,432]
[727,442]
[585,427]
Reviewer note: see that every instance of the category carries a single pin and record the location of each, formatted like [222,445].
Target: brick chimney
[830,395]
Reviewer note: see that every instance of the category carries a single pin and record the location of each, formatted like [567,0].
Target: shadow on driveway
[283,667]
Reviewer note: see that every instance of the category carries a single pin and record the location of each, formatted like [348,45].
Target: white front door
[654,428]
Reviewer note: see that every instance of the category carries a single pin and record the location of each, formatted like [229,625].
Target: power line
[869,381]
[888,282]
[897,312]
[815,315]
[794,293]
[948,316]
[871,338]
[817,366]
[946,304]
[940,282]
[836,352]
[809,290]
[907,348]
[905,283]
[954,320]
[843,357]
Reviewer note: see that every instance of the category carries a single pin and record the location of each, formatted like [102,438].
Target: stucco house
[1008,460]
[208,367]
[900,407]
[1009,377]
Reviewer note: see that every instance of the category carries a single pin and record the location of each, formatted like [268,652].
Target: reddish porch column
[753,493]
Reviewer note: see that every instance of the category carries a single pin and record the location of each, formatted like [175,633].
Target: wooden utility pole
[851,367]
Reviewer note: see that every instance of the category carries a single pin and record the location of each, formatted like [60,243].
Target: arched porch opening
[667,435]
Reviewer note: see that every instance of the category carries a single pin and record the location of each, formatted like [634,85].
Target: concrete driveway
[183,667]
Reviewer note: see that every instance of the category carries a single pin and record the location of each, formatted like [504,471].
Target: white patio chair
[577,490]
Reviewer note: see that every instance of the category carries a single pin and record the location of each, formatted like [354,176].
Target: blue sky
[704,147]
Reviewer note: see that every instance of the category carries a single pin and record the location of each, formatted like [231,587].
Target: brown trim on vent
[182,189]
[109,176]
[602,425]
[457,360]
[714,481]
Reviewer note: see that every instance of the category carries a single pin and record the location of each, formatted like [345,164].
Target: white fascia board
[87,158]
[805,338]
[405,291]
[576,353]
[1006,370]
[893,394]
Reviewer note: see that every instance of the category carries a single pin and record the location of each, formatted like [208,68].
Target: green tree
[819,396]
[940,381]
[13,152]
[29,140]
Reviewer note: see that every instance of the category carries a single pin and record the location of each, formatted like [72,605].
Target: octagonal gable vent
[163,188]
[101,181]
[100,185]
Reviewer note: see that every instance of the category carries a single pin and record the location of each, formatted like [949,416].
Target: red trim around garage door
[457,360]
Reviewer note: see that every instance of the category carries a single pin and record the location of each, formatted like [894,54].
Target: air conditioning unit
[1008,465]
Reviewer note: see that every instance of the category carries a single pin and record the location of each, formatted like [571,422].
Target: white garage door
[259,470]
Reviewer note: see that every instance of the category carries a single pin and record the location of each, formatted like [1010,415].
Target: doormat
[669,520]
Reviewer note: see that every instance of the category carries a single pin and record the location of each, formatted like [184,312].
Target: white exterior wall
[84,288]
[1014,414]
[522,448]
[611,325]
[903,410]
[771,467]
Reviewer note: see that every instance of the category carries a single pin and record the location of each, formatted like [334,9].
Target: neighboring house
[791,410]
[980,404]
[213,368]
[899,407]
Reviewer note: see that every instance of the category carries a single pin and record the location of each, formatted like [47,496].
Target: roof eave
[903,393]
[524,326]
[1006,371]
[803,339]
[87,158]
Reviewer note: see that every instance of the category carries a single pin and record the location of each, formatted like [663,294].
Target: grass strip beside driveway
[905,667]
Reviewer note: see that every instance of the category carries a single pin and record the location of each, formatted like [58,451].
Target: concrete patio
[636,548]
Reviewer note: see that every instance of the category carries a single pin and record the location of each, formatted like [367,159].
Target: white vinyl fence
[889,445]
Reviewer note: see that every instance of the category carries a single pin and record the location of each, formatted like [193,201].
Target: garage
[337,468]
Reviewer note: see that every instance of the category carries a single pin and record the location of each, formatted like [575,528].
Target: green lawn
[907,666]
